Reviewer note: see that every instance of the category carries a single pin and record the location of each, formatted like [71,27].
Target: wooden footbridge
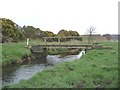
[39,49]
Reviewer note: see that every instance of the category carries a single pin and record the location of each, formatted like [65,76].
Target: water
[15,73]
[54,59]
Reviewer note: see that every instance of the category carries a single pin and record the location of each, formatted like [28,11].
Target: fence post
[27,41]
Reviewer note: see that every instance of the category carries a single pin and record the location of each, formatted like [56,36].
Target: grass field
[96,69]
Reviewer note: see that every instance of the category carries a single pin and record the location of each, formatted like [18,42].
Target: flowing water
[15,73]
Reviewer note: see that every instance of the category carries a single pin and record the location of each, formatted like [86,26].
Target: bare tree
[90,31]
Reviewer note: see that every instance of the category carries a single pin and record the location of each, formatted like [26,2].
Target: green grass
[96,69]
[13,52]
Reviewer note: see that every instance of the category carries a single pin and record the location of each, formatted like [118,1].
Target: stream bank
[15,73]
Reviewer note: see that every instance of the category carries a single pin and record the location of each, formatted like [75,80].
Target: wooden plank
[82,46]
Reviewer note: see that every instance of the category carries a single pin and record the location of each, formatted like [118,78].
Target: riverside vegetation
[96,69]
[12,53]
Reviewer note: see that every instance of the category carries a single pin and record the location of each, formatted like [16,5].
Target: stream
[15,73]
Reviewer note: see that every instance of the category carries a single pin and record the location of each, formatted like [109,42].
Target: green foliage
[31,32]
[48,34]
[10,30]
[13,32]
[34,33]
[63,33]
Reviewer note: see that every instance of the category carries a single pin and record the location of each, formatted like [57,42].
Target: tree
[48,34]
[29,31]
[63,33]
[73,33]
[10,30]
[32,32]
[90,31]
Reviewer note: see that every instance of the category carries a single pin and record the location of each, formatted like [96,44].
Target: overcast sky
[54,15]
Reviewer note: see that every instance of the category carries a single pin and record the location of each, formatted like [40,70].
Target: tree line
[12,32]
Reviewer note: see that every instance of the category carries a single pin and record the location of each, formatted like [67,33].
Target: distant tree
[38,33]
[49,34]
[63,33]
[32,32]
[29,31]
[90,31]
[73,33]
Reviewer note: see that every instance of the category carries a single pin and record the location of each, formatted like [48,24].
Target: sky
[54,15]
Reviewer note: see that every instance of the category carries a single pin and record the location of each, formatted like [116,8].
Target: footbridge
[61,44]
[43,47]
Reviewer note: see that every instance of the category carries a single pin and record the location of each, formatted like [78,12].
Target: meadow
[97,69]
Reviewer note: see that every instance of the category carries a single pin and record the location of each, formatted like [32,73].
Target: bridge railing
[71,40]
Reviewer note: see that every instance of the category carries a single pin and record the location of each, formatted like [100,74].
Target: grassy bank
[13,52]
[97,69]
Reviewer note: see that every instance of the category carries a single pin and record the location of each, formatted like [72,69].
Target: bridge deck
[65,46]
